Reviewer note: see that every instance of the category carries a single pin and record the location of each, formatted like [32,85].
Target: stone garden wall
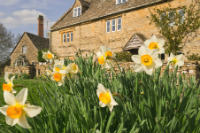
[191,68]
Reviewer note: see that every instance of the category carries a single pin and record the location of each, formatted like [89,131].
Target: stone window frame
[114,23]
[68,39]
[24,49]
[121,1]
[64,38]
[77,11]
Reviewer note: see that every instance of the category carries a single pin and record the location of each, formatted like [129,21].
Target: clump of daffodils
[16,109]
[105,97]
[147,60]
[155,43]
[175,60]
[48,56]
[9,83]
[105,57]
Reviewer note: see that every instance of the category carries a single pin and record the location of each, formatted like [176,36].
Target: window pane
[108,26]
[118,1]
[172,17]
[75,12]
[24,49]
[123,1]
[71,36]
[113,25]
[64,38]
[67,37]
[79,11]
[119,25]
[182,14]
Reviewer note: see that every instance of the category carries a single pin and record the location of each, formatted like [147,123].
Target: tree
[6,43]
[176,25]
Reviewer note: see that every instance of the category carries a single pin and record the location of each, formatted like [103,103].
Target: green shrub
[40,59]
[194,57]
[123,56]
[167,104]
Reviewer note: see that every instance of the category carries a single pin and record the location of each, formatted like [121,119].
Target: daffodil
[72,70]
[59,77]
[9,83]
[105,57]
[146,61]
[155,43]
[105,97]
[59,65]
[175,60]
[16,110]
[48,56]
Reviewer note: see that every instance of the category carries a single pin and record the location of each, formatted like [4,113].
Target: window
[77,12]
[113,25]
[108,26]
[67,37]
[119,24]
[182,15]
[64,38]
[121,1]
[71,36]
[172,17]
[24,49]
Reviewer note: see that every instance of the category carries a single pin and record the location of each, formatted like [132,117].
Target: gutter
[132,8]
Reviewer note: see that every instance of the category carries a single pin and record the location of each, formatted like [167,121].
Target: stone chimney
[40,26]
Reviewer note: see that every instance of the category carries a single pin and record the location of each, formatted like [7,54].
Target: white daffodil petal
[179,57]
[180,63]
[23,122]
[11,121]
[22,96]
[147,42]
[110,107]
[6,77]
[143,50]
[99,54]
[161,50]
[138,68]
[102,104]
[9,98]
[104,49]
[158,63]
[59,83]
[113,102]
[161,42]
[136,58]
[12,78]
[32,110]
[3,109]
[148,71]
[101,89]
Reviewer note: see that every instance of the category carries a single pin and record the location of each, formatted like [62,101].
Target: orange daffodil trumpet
[175,60]
[147,60]
[155,43]
[9,83]
[105,57]
[48,56]
[16,110]
[59,65]
[105,97]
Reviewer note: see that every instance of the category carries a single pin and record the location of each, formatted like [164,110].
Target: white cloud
[8,2]
[23,18]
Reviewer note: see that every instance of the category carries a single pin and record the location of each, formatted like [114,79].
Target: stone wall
[20,70]
[190,68]
[91,35]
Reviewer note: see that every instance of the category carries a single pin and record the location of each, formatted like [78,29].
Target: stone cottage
[26,51]
[118,24]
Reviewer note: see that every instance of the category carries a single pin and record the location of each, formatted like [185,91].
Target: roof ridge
[36,35]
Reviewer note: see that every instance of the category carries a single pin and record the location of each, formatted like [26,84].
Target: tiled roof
[40,43]
[98,9]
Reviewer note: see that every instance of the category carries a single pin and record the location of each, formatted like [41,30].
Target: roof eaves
[132,8]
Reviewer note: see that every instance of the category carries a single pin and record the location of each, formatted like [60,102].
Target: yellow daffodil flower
[48,56]
[105,57]
[155,43]
[9,83]
[146,61]
[175,60]
[16,110]
[105,97]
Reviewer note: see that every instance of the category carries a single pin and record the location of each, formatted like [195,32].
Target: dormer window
[24,49]
[77,12]
[121,1]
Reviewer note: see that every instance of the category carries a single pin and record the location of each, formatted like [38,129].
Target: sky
[20,16]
